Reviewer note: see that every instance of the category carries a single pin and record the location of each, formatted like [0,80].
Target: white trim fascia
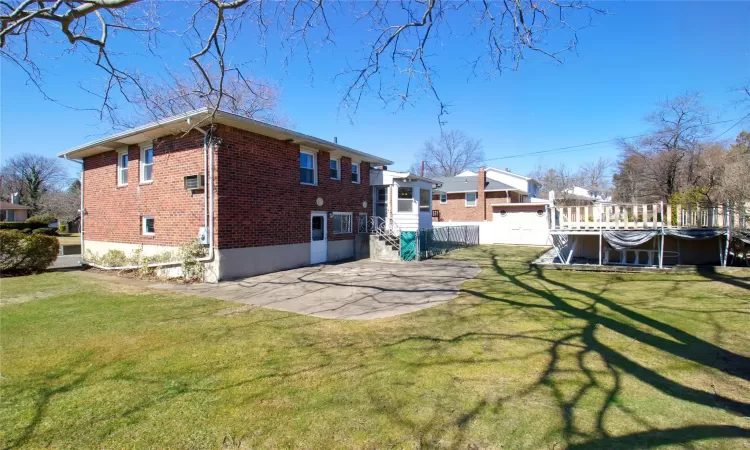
[197,117]
[519,204]
[508,173]
[486,190]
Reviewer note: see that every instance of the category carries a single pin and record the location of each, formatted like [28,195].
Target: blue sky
[639,54]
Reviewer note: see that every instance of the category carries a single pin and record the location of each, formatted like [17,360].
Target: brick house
[261,198]
[504,200]
[470,196]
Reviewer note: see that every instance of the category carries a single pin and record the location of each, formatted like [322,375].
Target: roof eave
[172,124]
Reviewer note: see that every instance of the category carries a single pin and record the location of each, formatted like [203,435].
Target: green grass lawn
[70,239]
[521,359]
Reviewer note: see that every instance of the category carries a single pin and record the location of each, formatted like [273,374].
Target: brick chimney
[481,181]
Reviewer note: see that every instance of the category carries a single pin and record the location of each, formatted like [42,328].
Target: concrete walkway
[354,290]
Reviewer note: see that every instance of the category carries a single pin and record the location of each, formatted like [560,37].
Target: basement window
[342,223]
[147,226]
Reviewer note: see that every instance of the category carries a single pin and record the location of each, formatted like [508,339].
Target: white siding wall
[510,180]
[411,221]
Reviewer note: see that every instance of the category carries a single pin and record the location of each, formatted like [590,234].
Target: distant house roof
[469,184]
[8,205]
[410,176]
[507,172]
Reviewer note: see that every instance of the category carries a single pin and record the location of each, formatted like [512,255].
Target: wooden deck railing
[623,216]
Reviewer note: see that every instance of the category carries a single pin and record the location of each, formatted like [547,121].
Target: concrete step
[381,250]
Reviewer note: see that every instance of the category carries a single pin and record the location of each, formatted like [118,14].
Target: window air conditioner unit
[195,182]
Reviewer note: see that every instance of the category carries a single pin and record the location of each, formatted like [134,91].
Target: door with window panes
[381,202]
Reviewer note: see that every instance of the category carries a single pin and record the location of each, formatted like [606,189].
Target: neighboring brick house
[271,199]
[502,199]
[469,198]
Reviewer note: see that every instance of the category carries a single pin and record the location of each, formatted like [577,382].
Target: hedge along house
[260,198]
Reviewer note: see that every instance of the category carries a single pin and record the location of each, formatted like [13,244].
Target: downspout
[82,211]
[208,208]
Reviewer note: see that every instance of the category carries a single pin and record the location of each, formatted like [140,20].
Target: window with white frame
[308,165]
[342,223]
[355,173]
[147,164]
[405,199]
[122,167]
[425,200]
[443,198]
[147,226]
[335,172]
[362,224]
[471,199]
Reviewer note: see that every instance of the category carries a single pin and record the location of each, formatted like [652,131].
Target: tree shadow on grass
[713,274]
[643,329]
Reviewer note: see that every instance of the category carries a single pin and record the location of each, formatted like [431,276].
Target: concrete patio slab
[355,290]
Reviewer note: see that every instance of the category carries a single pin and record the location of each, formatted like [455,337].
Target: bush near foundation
[26,253]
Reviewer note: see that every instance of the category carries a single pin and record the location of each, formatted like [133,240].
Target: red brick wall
[457,211]
[114,212]
[261,201]
[259,198]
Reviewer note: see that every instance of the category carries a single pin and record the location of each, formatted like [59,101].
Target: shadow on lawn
[712,274]
[584,340]
[581,341]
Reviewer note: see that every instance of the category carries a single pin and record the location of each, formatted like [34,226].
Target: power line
[573,147]
[736,123]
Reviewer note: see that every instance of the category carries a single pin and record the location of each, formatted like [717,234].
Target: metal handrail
[386,229]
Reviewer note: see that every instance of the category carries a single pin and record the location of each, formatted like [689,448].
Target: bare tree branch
[397,68]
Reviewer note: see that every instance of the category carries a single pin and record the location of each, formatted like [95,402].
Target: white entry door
[318,238]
